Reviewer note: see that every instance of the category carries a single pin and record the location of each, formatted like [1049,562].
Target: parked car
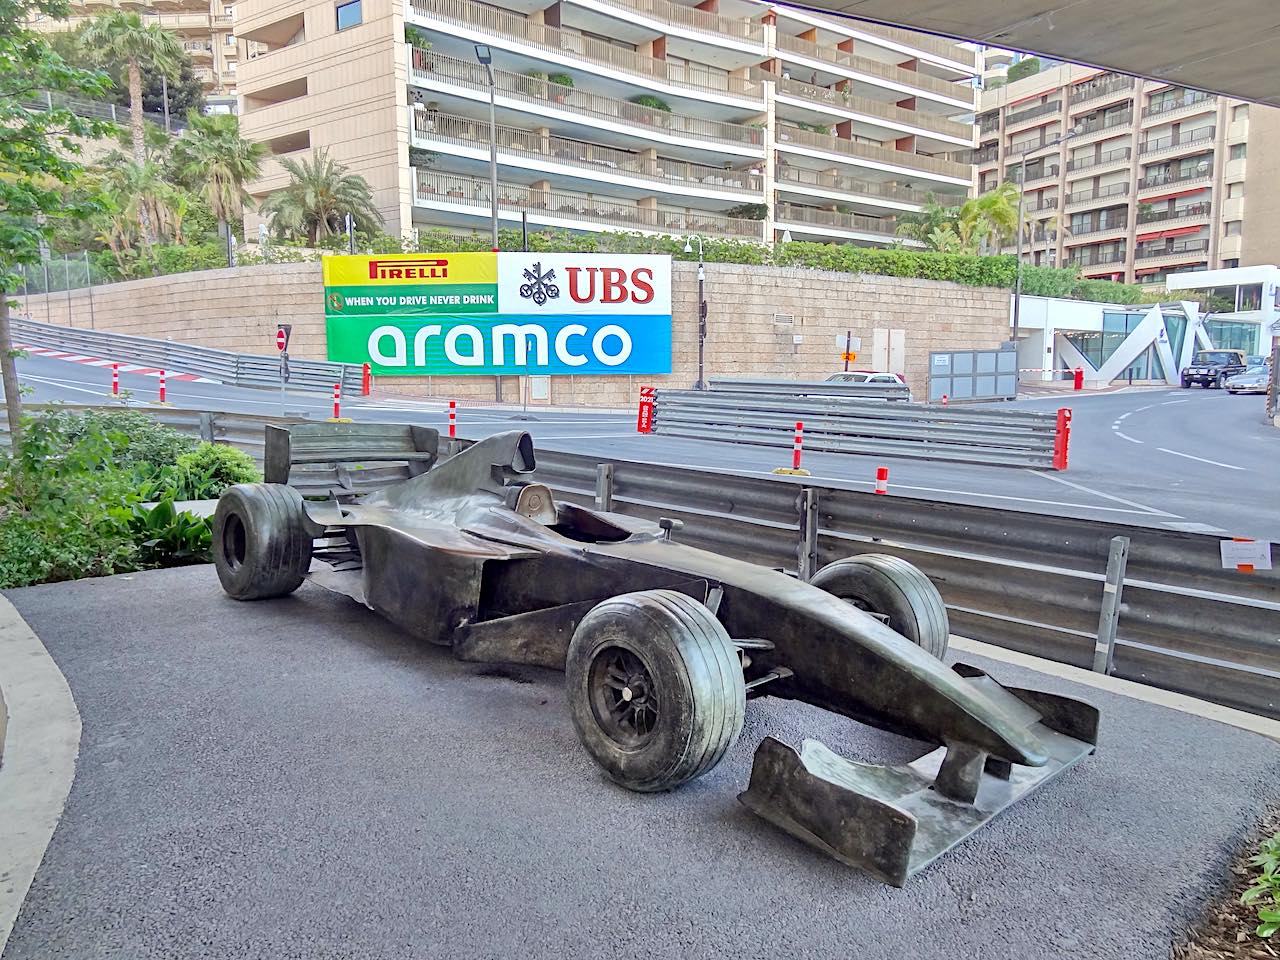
[868,376]
[1253,380]
[1212,368]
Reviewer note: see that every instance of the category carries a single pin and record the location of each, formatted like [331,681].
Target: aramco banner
[500,313]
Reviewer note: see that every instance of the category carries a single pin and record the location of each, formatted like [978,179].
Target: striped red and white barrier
[163,392]
[453,419]
[798,447]
[115,379]
[337,401]
[882,479]
[134,368]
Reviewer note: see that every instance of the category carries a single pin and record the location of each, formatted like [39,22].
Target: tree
[932,217]
[212,158]
[981,224]
[38,148]
[317,199]
[1024,68]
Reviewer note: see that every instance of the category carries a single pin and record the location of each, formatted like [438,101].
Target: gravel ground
[295,778]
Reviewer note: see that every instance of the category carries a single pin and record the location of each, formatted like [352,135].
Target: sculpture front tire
[893,589]
[655,689]
[261,548]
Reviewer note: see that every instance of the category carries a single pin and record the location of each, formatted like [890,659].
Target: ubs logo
[541,286]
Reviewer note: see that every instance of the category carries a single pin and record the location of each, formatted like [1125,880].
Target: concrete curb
[1263,726]
[43,739]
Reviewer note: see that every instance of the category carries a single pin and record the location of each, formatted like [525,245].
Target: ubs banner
[500,313]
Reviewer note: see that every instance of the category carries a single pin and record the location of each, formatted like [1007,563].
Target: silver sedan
[1253,380]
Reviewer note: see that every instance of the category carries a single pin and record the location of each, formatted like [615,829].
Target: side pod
[893,821]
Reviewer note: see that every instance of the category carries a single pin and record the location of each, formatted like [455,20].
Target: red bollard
[162,389]
[882,479]
[366,380]
[453,419]
[799,443]
[644,416]
[115,379]
[944,399]
[1079,378]
[1062,439]
[337,401]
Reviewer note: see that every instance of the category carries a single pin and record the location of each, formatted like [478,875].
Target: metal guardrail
[240,369]
[1030,582]
[857,425]
[813,388]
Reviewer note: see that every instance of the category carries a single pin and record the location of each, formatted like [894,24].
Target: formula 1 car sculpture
[662,644]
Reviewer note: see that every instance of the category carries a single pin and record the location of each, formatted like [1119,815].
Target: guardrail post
[1062,439]
[206,427]
[604,486]
[1105,648]
[808,546]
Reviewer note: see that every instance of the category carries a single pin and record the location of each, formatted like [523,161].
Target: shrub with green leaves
[1264,890]
[140,444]
[210,468]
[168,537]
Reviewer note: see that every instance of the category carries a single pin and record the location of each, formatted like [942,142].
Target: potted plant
[560,80]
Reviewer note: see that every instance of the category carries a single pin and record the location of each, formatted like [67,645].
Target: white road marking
[1123,416]
[1170,403]
[1214,463]
[1142,507]
[1124,436]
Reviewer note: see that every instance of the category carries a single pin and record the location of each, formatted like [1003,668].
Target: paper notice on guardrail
[1246,555]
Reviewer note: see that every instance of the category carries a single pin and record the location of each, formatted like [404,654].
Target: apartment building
[728,119]
[1131,179]
[204,27]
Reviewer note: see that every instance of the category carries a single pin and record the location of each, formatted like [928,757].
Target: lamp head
[484,54]
[688,247]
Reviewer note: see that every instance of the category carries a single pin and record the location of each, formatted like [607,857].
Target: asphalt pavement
[296,778]
[1197,460]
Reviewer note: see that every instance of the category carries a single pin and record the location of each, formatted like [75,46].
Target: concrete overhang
[1227,47]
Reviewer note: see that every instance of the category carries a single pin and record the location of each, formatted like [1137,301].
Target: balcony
[430,68]
[989,124]
[1102,124]
[834,56]
[1181,217]
[1096,258]
[1101,87]
[1111,157]
[851,186]
[986,156]
[1193,102]
[222,19]
[491,21]
[787,213]
[1049,203]
[1178,142]
[1103,194]
[845,100]
[1189,178]
[1049,172]
[691,18]
[468,197]
[937,46]
[431,130]
[1187,251]
[1096,231]
[198,50]
[1042,110]
[854,151]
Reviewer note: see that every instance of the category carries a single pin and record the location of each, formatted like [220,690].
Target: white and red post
[337,401]
[115,379]
[163,392]
[882,480]
[453,419]
[798,447]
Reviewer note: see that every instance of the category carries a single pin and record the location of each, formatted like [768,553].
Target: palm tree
[922,226]
[126,38]
[991,217]
[318,198]
[212,158]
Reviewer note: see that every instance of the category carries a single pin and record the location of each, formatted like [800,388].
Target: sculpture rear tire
[895,589]
[261,547]
[655,689]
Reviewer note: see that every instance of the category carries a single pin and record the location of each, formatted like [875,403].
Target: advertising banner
[531,314]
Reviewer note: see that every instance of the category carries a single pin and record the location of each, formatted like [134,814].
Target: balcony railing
[593,158]
[989,124]
[751,31]
[1091,196]
[986,155]
[876,108]
[1182,139]
[429,66]
[1108,122]
[938,46]
[1110,156]
[802,176]
[1185,247]
[1042,110]
[1165,179]
[869,151]
[1092,229]
[834,55]
[96,109]
[1033,174]
[1100,87]
[1187,212]
[474,192]
[1096,258]
[789,213]
[1049,203]
[503,23]
[1169,106]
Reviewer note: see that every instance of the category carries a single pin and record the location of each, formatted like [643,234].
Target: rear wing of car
[337,460]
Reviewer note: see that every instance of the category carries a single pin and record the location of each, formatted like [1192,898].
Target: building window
[1233,335]
[1232,228]
[1237,151]
[1240,111]
[229,10]
[349,14]
[1230,264]
[1235,189]
[231,39]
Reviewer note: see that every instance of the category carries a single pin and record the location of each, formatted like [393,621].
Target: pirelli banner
[500,313]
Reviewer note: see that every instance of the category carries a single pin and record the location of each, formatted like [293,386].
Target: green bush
[168,537]
[958,268]
[652,102]
[1023,68]
[210,468]
[139,444]
[560,79]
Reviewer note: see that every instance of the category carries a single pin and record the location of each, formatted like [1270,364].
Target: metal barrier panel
[973,375]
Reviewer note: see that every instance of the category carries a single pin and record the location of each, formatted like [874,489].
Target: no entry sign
[282,336]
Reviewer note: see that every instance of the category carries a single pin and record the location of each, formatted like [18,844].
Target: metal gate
[974,374]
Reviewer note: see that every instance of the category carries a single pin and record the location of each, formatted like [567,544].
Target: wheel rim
[233,541]
[624,700]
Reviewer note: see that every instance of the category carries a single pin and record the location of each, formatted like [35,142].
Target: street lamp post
[485,56]
[1022,193]
[700,383]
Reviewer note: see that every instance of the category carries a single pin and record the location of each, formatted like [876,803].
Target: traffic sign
[282,336]
[849,356]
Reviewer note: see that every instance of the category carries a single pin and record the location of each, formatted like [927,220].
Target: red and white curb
[99,362]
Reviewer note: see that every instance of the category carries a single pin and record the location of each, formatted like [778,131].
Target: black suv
[1210,368]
